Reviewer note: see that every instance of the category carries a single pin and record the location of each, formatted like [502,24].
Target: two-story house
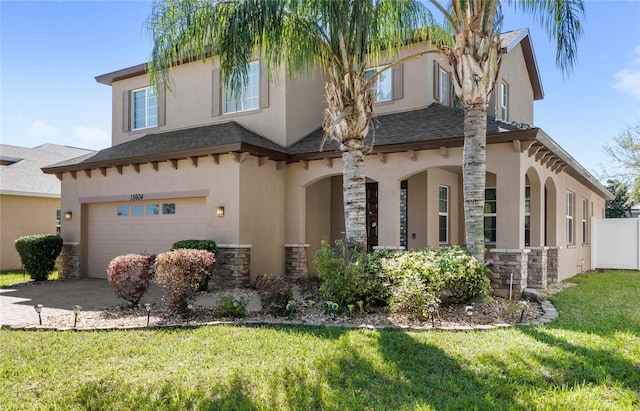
[248,172]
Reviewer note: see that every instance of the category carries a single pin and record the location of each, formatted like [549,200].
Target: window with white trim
[527,215]
[570,213]
[144,108]
[443,214]
[383,86]
[503,111]
[443,83]
[249,97]
[490,215]
[585,211]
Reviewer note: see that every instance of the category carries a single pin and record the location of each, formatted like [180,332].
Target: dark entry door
[372,215]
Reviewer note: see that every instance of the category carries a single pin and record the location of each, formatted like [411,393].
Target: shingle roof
[172,143]
[23,175]
[431,124]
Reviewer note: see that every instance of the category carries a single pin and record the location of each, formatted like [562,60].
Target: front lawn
[9,278]
[588,359]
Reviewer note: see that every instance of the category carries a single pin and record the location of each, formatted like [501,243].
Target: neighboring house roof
[428,128]
[508,40]
[20,169]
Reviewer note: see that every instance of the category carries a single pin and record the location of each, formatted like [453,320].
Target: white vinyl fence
[615,243]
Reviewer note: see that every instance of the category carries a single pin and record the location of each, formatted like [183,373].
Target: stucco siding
[20,216]
[261,215]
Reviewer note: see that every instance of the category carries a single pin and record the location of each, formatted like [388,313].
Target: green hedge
[38,253]
[207,245]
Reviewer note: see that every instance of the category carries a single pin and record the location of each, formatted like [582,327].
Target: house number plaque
[137,197]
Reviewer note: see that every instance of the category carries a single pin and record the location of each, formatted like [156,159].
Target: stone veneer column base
[233,266]
[296,261]
[68,262]
[507,261]
[537,267]
[553,264]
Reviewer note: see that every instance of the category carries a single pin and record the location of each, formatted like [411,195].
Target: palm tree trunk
[474,165]
[354,191]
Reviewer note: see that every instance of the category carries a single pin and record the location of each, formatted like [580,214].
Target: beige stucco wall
[20,216]
[262,215]
[294,109]
[513,71]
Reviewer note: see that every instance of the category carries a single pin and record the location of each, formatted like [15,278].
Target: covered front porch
[415,200]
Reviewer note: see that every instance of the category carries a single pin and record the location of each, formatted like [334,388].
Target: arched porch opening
[534,210]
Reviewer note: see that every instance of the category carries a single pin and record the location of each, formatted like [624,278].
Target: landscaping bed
[493,311]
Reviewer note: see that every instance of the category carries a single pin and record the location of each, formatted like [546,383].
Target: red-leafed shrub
[180,273]
[130,275]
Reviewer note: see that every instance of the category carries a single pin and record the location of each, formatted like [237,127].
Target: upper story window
[249,97]
[490,215]
[570,213]
[503,110]
[442,87]
[144,110]
[383,86]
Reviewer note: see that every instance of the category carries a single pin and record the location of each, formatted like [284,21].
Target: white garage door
[140,226]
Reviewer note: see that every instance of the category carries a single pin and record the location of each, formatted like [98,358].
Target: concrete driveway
[59,297]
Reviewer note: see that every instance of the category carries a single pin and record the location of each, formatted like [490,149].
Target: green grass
[9,278]
[587,360]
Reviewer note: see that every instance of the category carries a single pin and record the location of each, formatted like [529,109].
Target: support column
[508,261]
[233,262]
[296,261]
[553,265]
[68,262]
[389,212]
[537,267]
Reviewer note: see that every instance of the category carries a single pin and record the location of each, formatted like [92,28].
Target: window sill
[142,130]
[242,113]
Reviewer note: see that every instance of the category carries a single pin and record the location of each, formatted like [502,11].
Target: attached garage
[142,226]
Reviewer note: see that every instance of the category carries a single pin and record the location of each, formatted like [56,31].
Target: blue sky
[50,52]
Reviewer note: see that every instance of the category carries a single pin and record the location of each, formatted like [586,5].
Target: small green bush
[349,276]
[275,293]
[420,277]
[180,273]
[464,277]
[130,275]
[38,253]
[231,307]
[207,245]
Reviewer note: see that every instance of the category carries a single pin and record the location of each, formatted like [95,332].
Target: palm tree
[342,37]
[475,59]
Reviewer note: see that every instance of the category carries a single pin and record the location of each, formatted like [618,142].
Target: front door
[372,215]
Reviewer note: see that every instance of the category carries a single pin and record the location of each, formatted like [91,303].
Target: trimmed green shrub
[180,273]
[207,245]
[275,292]
[464,277]
[131,275]
[420,277]
[38,253]
[349,276]
[231,307]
